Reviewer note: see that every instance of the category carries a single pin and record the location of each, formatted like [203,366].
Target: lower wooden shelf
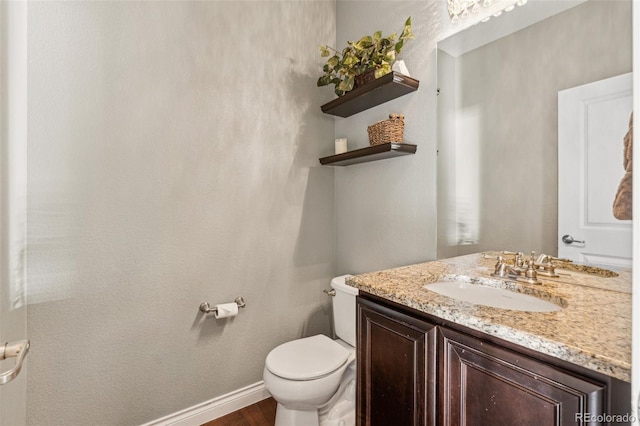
[370,153]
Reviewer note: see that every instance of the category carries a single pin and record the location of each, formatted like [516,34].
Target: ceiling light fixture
[461,9]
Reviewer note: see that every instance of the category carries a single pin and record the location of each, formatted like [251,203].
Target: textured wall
[173,159]
[386,210]
[507,99]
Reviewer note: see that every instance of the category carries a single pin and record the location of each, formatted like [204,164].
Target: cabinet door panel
[483,384]
[396,368]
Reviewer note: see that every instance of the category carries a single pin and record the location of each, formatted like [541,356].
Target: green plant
[369,52]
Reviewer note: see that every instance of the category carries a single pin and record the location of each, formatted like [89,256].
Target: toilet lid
[308,358]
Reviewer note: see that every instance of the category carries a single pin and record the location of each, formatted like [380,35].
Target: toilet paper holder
[208,309]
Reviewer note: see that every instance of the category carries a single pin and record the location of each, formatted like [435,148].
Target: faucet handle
[559,259]
[530,275]
[531,270]
[517,257]
[519,261]
[492,257]
[545,258]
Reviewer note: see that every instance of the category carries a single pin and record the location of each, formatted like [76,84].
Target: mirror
[498,125]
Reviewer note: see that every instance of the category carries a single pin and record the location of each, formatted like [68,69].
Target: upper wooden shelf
[370,153]
[376,92]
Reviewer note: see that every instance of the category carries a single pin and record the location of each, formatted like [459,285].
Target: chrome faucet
[503,269]
[526,270]
[521,273]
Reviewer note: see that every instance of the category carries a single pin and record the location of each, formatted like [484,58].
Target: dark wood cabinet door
[396,368]
[484,384]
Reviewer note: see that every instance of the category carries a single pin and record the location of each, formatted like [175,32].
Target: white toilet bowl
[307,375]
[303,375]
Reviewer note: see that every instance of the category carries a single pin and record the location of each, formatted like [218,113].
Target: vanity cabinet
[484,384]
[418,370]
[396,368]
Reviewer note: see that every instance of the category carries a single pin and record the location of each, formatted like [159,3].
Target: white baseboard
[215,408]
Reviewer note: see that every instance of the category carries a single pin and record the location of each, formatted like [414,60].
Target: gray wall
[173,159]
[507,93]
[386,210]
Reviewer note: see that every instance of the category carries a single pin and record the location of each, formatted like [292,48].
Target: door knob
[568,239]
[16,350]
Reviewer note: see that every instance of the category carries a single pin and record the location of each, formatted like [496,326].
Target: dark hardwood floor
[262,413]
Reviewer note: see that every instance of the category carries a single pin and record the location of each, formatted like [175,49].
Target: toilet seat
[307,359]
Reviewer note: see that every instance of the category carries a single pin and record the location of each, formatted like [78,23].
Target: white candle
[341,145]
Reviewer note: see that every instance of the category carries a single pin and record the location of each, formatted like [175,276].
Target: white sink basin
[490,296]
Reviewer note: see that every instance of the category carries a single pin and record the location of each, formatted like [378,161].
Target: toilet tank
[344,309]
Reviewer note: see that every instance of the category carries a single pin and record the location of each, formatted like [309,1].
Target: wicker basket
[387,131]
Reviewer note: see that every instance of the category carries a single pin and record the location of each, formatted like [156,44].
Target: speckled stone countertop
[592,330]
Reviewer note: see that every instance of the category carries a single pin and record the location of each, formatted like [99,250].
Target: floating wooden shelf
[370,153]
[376,92]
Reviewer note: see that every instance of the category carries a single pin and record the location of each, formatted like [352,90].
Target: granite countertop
[593,330]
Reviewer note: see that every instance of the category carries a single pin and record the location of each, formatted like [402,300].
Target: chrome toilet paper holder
[208,309]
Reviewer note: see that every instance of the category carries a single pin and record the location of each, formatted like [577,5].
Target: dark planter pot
[365,77]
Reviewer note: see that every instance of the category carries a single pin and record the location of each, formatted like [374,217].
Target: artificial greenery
[369,52]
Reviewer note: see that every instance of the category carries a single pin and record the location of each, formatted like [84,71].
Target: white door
[13,134]
[592,122]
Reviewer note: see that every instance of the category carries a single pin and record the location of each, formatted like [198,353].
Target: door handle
[568,239]
[17,350]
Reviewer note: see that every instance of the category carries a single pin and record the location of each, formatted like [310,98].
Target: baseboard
[215,408]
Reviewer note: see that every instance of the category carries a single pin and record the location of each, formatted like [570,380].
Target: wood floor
[262,413]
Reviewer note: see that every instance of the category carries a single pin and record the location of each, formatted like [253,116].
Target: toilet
[313,379]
